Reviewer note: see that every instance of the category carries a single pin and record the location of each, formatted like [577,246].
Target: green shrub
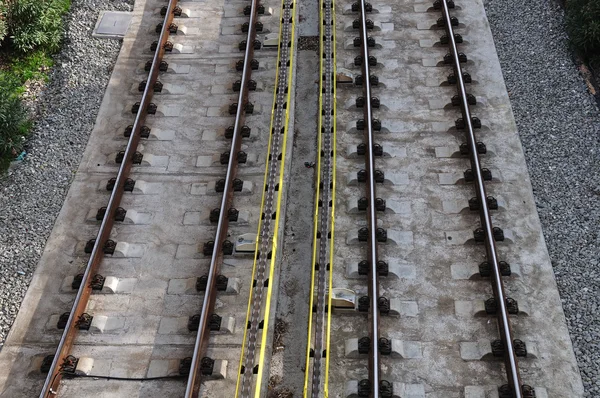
[36,24]
[13,118]
[583,24]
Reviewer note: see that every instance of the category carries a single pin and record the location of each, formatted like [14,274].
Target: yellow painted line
[277,214]
[307,372]
[333,179]
[307,377]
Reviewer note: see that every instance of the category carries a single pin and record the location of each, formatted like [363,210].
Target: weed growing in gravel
[32,66]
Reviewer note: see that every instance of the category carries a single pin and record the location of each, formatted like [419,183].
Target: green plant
[31,66]
[36,24]
[583,24]
[13,119]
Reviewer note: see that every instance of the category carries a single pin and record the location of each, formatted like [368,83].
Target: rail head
[512,367]
[55,373]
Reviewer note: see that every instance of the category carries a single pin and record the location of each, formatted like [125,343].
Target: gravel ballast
[559,124]
[32,194]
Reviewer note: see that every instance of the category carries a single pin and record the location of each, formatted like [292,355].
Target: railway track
[425,231]
[372,303]
[63,362]
[484,204]
[160,252]
[375,386]
[200,364]
[178,293]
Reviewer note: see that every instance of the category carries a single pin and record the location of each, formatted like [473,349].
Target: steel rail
[208,304]
[52,382]
[371,211]
[512,368]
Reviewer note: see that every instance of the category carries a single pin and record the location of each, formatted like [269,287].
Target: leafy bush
[36,24]
[13,118]
[583,24]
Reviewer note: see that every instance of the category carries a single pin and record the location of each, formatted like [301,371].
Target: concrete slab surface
[408,68]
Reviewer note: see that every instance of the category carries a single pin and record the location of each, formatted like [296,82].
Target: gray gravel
[559,124]
[32,194]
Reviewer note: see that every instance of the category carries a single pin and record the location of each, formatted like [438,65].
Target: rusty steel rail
[510,358]
[373,275]
[65,345]
[208,305]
